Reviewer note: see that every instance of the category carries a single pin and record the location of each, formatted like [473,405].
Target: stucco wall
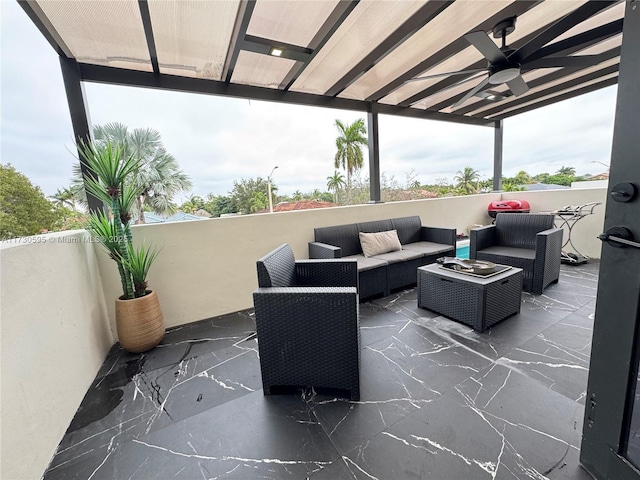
[55,336]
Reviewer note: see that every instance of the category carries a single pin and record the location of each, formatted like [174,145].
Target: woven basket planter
[140,323]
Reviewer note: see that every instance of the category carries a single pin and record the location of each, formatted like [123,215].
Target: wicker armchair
[307,322]
[524,240]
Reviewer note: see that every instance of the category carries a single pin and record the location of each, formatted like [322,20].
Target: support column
[497,156]
[374,154]
[79,115]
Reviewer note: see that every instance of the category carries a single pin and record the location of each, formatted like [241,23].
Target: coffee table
[480,302]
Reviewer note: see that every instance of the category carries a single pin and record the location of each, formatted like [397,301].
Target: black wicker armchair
[524,240]
[307,322]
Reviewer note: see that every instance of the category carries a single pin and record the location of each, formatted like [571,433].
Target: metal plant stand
[569,216]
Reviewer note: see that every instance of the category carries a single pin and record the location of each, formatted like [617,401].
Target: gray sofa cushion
[426,248]
[365,263]
[399,256]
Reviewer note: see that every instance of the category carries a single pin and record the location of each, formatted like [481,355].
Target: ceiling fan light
[503,76]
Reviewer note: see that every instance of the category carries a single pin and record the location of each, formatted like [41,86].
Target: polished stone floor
[438,401]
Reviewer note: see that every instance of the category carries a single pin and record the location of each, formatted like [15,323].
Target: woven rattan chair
[524,240]
[307,322]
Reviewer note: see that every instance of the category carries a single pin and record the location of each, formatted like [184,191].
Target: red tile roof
[301,205]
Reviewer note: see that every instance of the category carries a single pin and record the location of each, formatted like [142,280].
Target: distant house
[202,213]
[600,176]
[301,205]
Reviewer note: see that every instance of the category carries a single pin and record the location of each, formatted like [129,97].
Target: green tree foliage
[558,178]
[218,205]
[158,178]
[193,204]
[512,187]
[349,145]
[467,181]
[522,178]
[568,171]
[246,194]
[69,220]
[24,210]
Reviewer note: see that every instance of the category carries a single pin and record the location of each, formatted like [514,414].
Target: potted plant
[139,319]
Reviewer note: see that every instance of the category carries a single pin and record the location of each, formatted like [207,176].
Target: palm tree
[334,183]
[65,197]
[523,178]
[467,180]
[569,171]
[349,145]
[158,177]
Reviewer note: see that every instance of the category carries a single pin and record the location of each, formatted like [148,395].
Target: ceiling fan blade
[486,47]
[472,92]
[448,74]
[576,62]
[580,14]
[518,86]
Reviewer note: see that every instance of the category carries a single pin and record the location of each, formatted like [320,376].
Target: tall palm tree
[467,180]
[334,183]
[349,145]
[158,178]
[569,171]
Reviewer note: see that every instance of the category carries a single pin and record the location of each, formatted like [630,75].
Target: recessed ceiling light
[491,97]
[276,52]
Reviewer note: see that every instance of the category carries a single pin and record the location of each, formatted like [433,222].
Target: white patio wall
[55,336]
[57,326]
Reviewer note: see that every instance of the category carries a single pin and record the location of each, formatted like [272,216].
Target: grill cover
[508,206]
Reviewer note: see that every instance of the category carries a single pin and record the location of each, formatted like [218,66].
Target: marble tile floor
[438,401]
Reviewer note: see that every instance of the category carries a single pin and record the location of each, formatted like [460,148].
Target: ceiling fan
[507,64]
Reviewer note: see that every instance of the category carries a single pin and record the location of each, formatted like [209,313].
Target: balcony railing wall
[58,296]
[55,336]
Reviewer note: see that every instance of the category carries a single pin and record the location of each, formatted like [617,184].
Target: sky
[217,140]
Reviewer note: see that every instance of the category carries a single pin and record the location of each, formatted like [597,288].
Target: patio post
[497,155]
[79,115]
[374,153]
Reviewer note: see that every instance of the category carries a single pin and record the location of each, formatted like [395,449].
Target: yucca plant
[113,229]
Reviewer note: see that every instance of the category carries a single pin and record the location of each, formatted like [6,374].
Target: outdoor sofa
[381,273]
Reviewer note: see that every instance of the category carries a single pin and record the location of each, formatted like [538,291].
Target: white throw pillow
[381,242]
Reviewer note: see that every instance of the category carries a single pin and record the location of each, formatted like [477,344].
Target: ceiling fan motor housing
[499,74]
[504,28]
